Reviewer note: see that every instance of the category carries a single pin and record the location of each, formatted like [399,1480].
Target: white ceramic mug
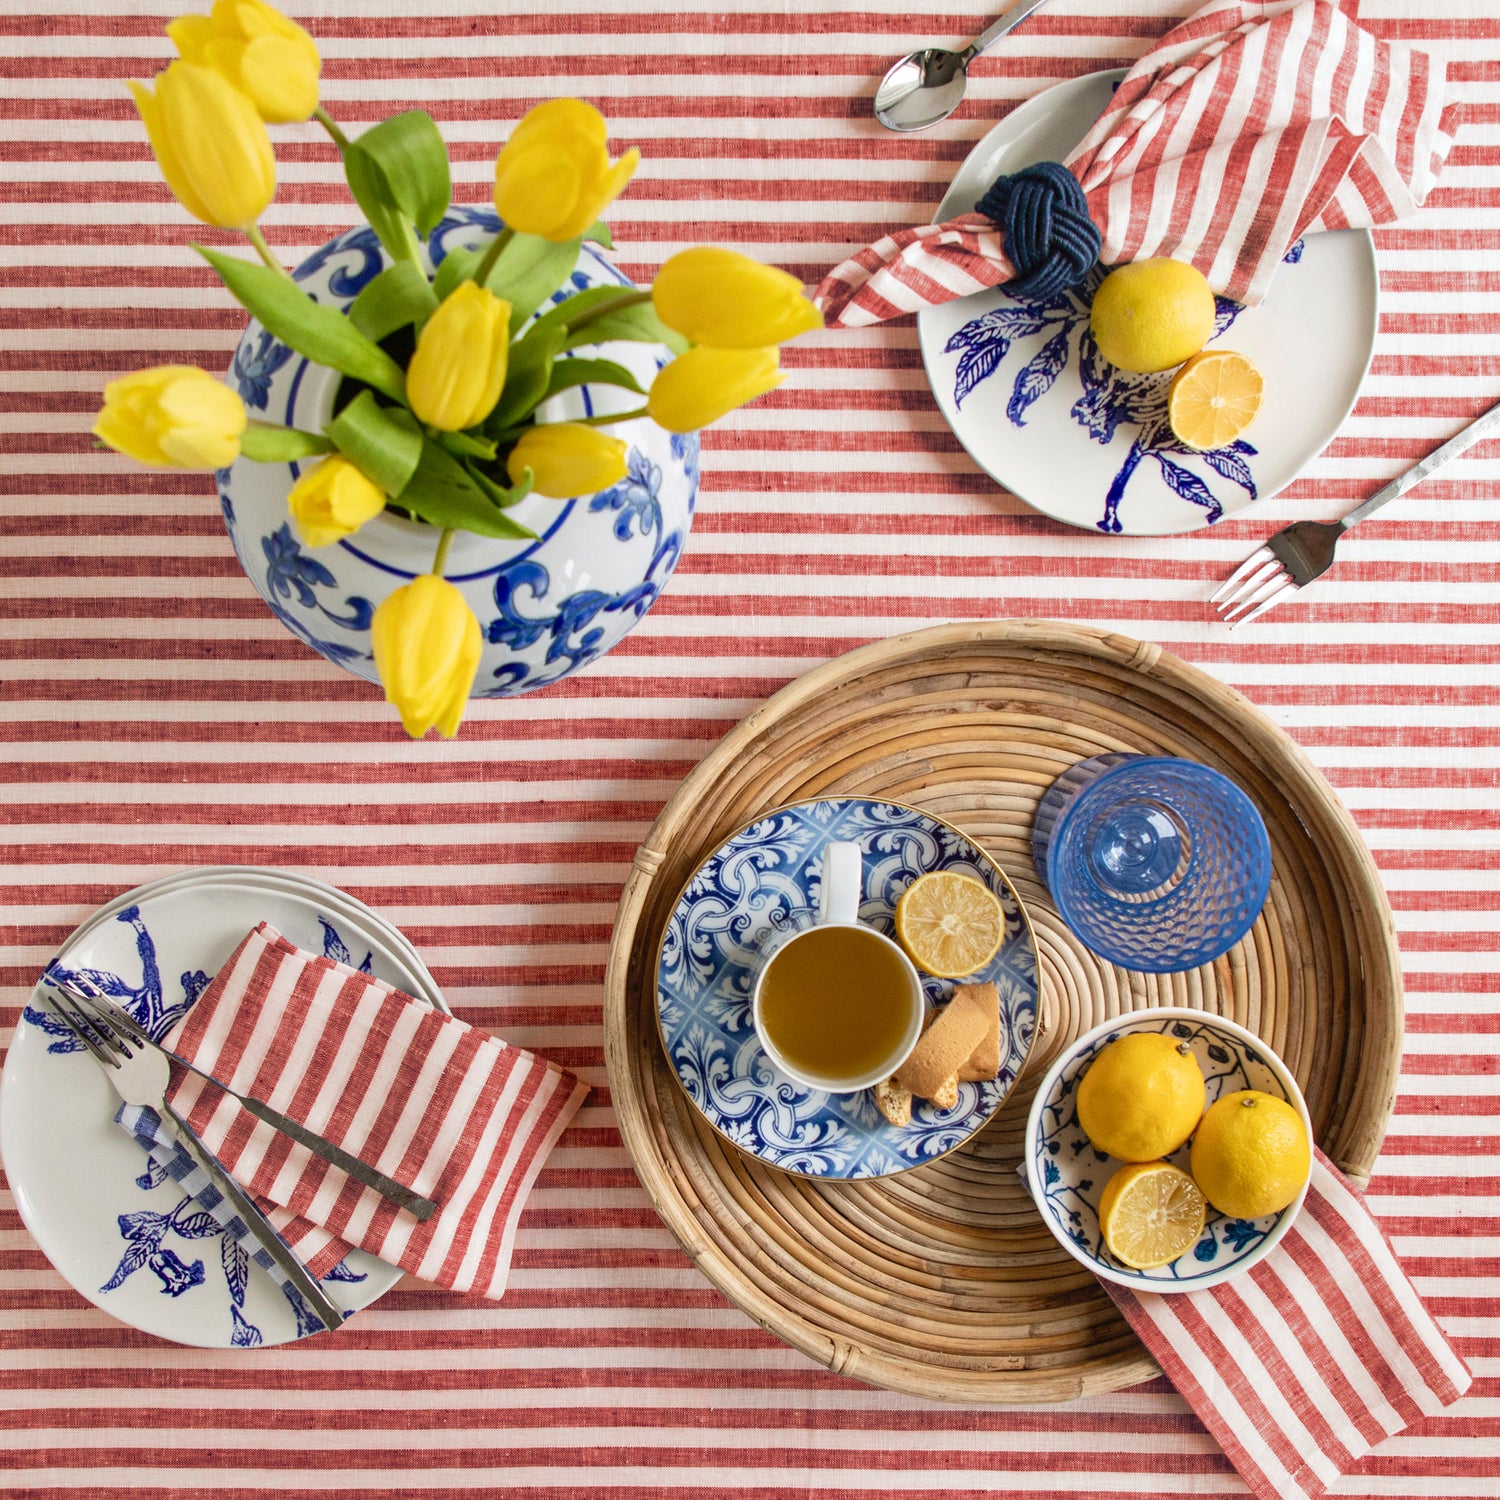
[838,905]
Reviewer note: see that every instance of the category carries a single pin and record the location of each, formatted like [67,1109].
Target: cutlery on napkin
[1302,1364]
[464,1118]
[1247,126]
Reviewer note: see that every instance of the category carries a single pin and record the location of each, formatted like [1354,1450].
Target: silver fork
[141,1077]
[1304,550]
[99,1007]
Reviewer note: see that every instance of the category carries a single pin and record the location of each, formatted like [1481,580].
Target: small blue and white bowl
[1066,1175]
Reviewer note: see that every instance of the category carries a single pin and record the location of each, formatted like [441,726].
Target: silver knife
[398,1193]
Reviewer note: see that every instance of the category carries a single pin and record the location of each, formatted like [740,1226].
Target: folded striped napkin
[435,1103]
[1300,1366]
[1244,128]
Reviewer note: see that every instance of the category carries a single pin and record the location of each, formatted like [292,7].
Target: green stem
[608,417]
[487,264]
[440,562]
[617,304]
[329,124]
[256,238]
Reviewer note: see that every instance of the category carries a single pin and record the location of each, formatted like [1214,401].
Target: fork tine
[101,1009]
[1257,559]
[1267,581]
[79,1025]
[1270,602]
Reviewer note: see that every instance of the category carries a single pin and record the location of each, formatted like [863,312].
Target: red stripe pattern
[1303,1364]
[426,1098]
[1247,127]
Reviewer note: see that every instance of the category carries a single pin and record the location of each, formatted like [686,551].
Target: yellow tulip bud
[700,386]
[259,50]
[175,416]
[427,648]
[567,459]
[458,371]
[333,500]
[723,298]
[211,145]
[553,177]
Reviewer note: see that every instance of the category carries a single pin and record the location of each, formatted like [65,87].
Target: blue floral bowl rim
[744,827]
[1150,1015]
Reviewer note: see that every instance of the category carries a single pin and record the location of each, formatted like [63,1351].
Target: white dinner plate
[1088,444]
[81,1183]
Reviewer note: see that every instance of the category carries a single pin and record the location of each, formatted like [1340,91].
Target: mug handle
[843,884]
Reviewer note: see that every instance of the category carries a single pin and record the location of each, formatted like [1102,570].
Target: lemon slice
[950,925]
[1150,1213]
[1214,398]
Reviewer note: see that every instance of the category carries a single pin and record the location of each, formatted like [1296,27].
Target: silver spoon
[928,85]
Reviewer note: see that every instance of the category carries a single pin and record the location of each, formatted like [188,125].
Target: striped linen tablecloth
[155,715]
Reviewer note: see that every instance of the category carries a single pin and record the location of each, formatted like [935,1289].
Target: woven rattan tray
[943,1282]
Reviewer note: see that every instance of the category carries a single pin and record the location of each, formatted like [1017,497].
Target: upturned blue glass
[1155,863]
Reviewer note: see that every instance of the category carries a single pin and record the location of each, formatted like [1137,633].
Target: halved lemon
[1150,1213]
[950,925]
[1214,398]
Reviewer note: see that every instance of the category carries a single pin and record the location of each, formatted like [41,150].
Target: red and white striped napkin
[440,1106]
[1301,1365]
[1244,128]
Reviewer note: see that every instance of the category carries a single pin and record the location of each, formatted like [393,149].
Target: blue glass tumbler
[1155,863]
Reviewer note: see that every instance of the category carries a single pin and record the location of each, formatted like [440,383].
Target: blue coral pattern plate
[111,1221]
[764,881]
[1066,1175]
[1027,393]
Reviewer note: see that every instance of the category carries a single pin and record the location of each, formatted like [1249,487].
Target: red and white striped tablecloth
[154,715]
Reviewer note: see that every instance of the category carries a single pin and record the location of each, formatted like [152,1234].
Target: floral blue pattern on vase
[545,607]
[764,881]
[1068,1174]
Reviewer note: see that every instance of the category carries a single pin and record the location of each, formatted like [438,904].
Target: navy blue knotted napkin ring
[1049,237]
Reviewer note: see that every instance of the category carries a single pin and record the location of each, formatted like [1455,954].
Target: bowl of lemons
[1168,1150]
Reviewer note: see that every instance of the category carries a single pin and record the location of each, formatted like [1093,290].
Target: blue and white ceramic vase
[546,607]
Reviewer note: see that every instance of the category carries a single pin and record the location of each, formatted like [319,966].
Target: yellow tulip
[175,416]
[211,145]
[553,177]
[427,648]
[260,51]
[333,500]
[458,371]
[700,386]
[567,459]
[722,298]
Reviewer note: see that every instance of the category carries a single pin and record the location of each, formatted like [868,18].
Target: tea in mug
[836,1002]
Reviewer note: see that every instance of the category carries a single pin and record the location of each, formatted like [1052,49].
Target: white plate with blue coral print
[763,882]
[113,1225]
[1026,392]
[1066,1175]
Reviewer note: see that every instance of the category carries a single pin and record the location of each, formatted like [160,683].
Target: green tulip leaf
[467,445]
[446,492]
[401,294]
[598,231]
[400,167]
[502,497]
[321,333]
[591,300]
[527,377]
[569,372]
[638,324]
[266,443]
[528,271]
[456,266]
[384,443]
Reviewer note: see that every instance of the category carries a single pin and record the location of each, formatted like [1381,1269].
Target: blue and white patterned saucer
[1066,1175]
[765,880]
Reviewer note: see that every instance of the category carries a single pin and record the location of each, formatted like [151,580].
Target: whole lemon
[1141,1097]
[1251,1154]
[1152,315]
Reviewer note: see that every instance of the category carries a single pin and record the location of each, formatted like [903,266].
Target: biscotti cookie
[984,1061]
[945,1046]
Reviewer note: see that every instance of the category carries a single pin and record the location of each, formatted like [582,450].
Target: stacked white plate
[130,1243]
